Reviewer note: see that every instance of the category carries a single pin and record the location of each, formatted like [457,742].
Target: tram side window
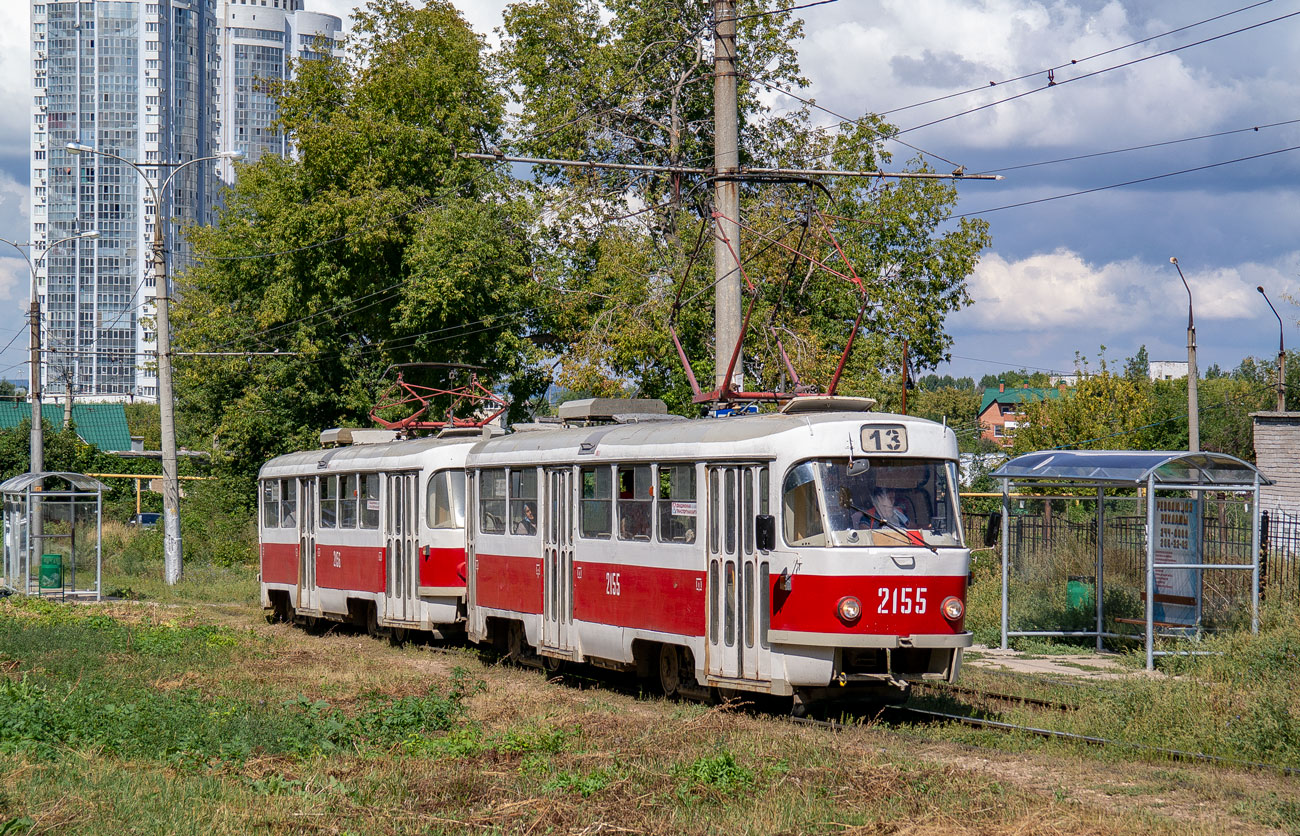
[289,503]
[369,500]
[597,493]
[677,509]
[329,501]
[445,499]
[635,502]
[270,504]
[800,511]
[523,501]
[492,501]
[348,501]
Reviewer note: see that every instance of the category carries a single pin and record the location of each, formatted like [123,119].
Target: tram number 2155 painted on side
[611,584]
[903,600]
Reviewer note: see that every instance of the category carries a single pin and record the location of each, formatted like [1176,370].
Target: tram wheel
[516,642]
[670,670]
[373,627]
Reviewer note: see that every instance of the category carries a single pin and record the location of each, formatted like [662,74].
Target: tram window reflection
[329,501]
[492,501]
[635,497]
[270,504]
[445,499]
[597,496]
[289,503]
[676,500]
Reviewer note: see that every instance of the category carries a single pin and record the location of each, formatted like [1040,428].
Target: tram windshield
[871,502]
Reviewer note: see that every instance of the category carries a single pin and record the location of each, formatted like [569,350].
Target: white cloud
[897,54]
[15,283]
[15,84]
[1060,290]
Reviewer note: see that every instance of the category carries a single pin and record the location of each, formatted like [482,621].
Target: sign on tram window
[884,438]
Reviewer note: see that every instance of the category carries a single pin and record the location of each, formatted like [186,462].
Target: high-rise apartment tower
[159,84]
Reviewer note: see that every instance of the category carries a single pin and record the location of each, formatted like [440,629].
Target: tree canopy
[376,244]
[373,245]
[631,252]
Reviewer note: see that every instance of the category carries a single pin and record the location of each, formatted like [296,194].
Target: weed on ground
[139,718]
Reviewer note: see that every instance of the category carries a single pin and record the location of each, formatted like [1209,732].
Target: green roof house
[1002,409]
[100,424]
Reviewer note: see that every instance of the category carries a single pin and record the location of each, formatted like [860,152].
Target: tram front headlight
[849,608]
[952,608]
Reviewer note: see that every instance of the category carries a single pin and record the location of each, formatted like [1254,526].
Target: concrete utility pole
[726,198]
[1193,411]
[166,403]
[1281,354]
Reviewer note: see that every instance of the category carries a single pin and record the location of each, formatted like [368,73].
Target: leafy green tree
[375,245]
[620,81]
[1138,366]
[1105,411]
[1015,379]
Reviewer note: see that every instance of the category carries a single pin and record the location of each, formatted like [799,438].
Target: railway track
[898,715]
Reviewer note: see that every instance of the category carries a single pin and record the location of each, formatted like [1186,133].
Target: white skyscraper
[258,42]
[157,83]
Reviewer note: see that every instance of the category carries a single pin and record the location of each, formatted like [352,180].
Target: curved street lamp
[1193,411]
[1281,354]
[34,326]
[166,403]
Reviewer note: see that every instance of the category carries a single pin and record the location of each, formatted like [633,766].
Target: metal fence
[1041,526]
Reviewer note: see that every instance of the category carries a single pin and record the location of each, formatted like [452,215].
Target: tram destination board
[884,438]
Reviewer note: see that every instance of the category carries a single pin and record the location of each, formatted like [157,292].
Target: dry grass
[533,756]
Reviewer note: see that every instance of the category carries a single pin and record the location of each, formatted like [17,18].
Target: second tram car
[370,533]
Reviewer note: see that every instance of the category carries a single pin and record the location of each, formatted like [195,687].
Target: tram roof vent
[827,403]
[460,432]
[614,411]
[341,436]
[534,426]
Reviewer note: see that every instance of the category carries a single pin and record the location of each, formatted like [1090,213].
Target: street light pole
[166,402]
[1281,354]
[1193,411]
[37,452]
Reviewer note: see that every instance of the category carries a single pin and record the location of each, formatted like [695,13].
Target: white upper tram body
[811,552]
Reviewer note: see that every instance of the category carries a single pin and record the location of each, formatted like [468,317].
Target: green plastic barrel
[1080,592]
[51,576]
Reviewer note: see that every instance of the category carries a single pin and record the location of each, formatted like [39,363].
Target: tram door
[400,537]
[737,573]
[557,561]
[304,599]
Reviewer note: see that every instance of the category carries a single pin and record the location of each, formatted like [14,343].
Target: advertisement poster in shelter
[1177,591]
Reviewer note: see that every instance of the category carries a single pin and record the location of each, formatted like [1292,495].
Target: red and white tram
[746,554]
[815,553]
[369,533]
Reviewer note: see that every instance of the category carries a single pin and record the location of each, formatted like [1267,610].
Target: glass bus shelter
[53,526]
[1173,491]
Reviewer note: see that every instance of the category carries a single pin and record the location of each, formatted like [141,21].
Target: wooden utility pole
[726,199]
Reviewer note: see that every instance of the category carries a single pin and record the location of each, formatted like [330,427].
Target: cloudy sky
[1063,275]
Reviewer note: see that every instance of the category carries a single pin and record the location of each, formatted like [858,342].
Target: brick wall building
[1277,455]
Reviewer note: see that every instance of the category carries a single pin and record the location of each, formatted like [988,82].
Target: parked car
[149,519]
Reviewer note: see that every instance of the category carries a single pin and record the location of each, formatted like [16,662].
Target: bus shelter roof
[79,482]
[1132,468]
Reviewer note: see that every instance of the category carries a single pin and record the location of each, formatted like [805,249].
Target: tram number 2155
[901,600]
[612,586]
